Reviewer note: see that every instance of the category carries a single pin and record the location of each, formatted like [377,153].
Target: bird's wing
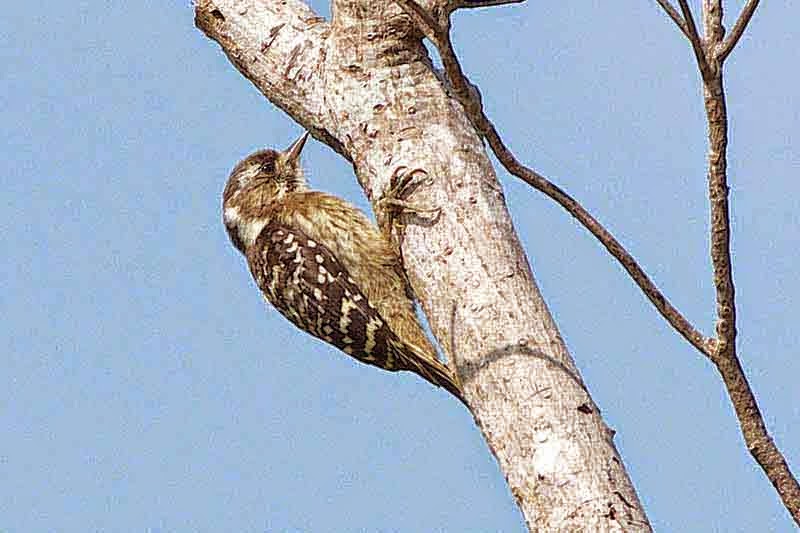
[310,287]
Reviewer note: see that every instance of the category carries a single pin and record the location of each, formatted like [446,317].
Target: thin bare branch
[461,88]
[639,276]
[721,351]
[757,438]
[738,29]
[696,41]
[460,4]
[675,16]
[717,119]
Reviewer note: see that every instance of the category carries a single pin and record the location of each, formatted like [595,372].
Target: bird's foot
[394,203]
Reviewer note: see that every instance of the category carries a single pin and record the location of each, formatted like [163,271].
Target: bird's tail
[429,367]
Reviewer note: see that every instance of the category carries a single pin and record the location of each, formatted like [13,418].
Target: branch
[459,4]
[738,29]
[461,88]
[389,109]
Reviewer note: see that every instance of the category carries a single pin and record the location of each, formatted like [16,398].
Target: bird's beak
[293,152]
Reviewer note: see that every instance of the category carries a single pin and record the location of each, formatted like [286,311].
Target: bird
[326,267]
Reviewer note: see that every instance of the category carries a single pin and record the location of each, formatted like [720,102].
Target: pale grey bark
[364,84]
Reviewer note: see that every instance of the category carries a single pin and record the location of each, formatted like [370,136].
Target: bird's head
[260,179]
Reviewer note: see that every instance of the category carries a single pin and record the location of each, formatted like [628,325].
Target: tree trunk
[364,84]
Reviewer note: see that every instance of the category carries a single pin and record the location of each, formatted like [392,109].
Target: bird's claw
[393,202]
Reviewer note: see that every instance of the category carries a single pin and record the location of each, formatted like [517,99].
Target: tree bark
[364,84]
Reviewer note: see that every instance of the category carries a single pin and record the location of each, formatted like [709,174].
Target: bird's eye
[268,166]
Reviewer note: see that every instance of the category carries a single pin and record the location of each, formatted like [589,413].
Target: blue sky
[146,387]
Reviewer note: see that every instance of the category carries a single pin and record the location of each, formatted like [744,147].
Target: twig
[756,437]
[696,41]
[539,182]
[458,4]
[461,88]
[738,29]
[675,16]
[690,25]
[722,350]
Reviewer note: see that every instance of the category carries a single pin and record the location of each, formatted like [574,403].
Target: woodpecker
[324,266]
